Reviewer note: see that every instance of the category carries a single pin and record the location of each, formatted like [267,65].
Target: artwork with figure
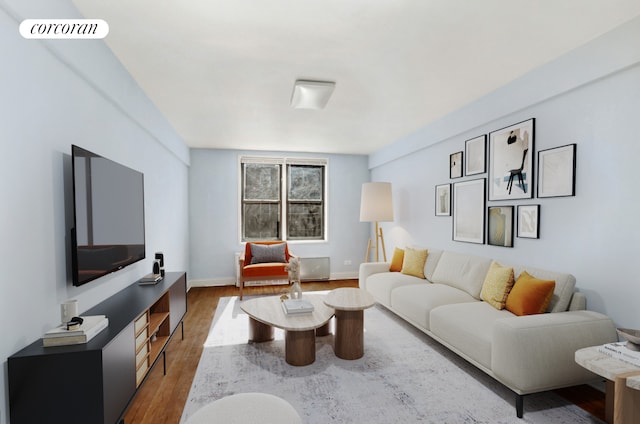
[511,162]
[443,200]
[501,226]
[455,165]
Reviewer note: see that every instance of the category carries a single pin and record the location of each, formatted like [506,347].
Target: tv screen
[108,232]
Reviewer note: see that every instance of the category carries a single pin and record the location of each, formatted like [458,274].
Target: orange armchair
[267,262]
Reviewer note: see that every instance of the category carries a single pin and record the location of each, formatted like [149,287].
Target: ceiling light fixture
[311,94]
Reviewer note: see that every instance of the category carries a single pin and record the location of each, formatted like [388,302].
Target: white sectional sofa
[528,354]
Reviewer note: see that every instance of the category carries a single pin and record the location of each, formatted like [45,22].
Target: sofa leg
[241,287]
[519,405]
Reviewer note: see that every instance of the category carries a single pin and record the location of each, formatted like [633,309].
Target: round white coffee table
[247,408]
[349,304]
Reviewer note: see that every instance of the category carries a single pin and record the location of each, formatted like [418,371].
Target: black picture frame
[469,206]
[456,164]
[557,171]
[528,221]
[511,153]
[443,200]
[500,226]
[475,154]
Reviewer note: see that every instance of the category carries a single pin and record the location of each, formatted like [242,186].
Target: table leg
[300,347]
[260,332]
[325,330]
[626,401]
[349,336]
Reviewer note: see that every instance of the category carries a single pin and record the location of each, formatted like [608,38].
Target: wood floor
[162,397]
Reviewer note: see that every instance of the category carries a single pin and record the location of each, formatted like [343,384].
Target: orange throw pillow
[396,261]
[530,295]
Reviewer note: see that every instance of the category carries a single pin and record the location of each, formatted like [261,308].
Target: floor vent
[314,269]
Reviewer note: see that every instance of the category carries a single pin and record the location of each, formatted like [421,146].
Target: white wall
[214,215]
[593,235]
[54,94]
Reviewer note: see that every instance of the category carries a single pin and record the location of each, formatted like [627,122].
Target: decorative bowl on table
[632,336]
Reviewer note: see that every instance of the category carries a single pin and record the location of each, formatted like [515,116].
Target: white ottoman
[244,408]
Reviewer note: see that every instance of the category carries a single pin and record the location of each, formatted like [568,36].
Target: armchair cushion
[266,253]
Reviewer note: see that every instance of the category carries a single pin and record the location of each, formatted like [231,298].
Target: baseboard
[212,282]
[231,281]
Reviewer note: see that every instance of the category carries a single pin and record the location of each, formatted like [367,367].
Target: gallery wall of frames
[493,181]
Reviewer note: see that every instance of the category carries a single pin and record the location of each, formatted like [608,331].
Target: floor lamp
[376,205]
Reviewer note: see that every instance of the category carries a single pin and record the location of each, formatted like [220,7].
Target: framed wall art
[469,210]
[557,171]
[511,162]
[455,165]
[475,153]
[500,226]
[528,221]
[443,200]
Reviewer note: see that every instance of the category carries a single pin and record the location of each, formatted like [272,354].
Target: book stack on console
[297,306]
[622,352]
[90,327]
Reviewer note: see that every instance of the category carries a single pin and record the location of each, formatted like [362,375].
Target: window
[283,199]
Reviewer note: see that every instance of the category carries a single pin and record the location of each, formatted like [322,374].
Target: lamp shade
[376,202]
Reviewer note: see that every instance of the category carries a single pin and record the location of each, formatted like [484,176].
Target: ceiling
[222,71]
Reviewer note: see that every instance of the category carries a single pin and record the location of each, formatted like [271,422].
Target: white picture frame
[528,221]
[469,200]
[443,200]
[557,171]
[475,153]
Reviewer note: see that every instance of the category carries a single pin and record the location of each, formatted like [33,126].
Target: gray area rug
[403,377]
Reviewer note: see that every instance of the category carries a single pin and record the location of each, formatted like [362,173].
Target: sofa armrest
[536,352]
[370,268]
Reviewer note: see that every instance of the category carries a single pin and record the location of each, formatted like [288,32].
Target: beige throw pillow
[413,263]
[497,285]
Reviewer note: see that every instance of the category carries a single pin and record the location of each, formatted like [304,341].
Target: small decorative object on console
[79,330]
[293,268]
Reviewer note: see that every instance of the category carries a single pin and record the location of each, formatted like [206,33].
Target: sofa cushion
[468,327]
[432,261]
[416,301]
[565,285]
[267,270]
[396,261]
[530,295]
[381,285]
[462,271]
[497,285]
[265,253]
[414,260]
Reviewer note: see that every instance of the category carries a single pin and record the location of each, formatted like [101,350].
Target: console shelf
[94,382]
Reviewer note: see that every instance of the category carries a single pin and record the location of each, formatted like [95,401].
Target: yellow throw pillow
[530,295]
[497,285]
[396,261]
[413,263]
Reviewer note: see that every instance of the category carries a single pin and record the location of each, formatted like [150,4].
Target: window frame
[285,165]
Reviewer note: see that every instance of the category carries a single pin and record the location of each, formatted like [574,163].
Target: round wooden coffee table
[300,329]
[349,304]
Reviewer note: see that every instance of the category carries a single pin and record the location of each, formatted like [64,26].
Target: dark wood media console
[94,382]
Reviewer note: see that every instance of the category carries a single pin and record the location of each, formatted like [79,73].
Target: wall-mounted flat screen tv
[108,232]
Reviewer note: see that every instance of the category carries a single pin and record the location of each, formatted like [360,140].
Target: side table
[349,304]
[622,386]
